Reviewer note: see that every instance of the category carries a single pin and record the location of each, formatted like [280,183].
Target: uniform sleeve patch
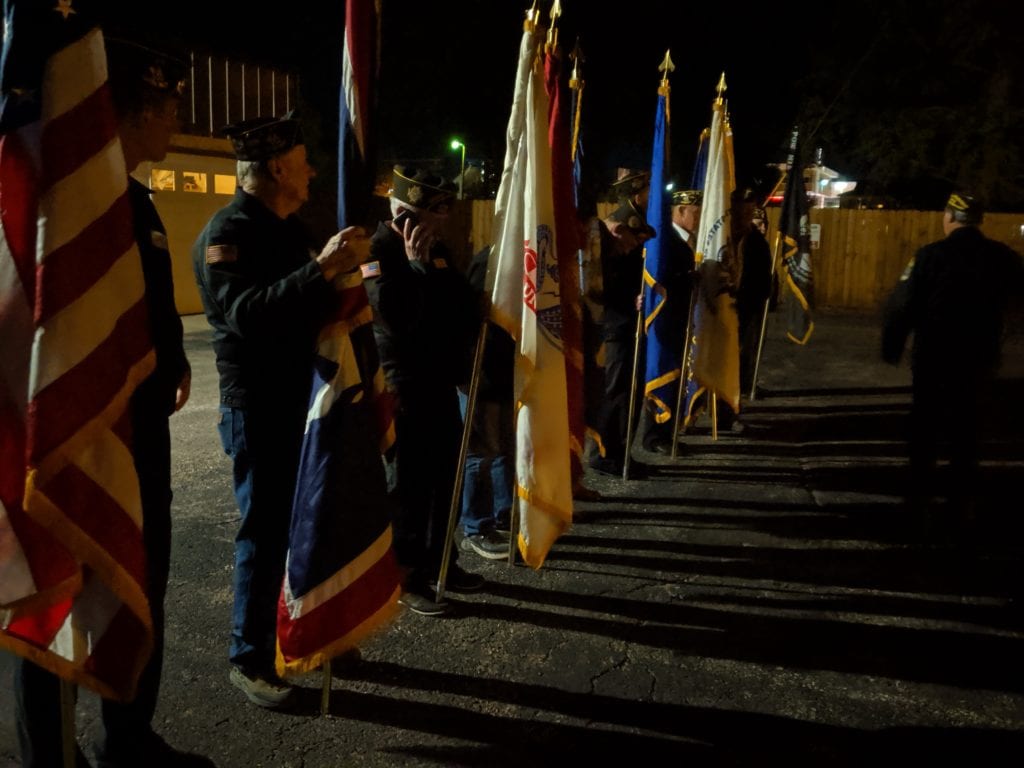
[370,269]
[221,254]
[439,263]
[159,239]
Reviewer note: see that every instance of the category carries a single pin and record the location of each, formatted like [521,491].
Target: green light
[456,144]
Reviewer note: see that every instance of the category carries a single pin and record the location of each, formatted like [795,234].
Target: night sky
[841,71]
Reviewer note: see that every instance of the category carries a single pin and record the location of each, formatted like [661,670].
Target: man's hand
[344,252]
[184,389]
[625,238]
[418,242]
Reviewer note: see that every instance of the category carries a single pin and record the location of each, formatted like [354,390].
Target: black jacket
[425,316]
[266,299]
[157,393]
[756,279]
[952,297]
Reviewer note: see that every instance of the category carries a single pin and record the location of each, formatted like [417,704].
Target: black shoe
[660,446]
[606,466]
[488,544]
[459,580]
[150,750]
[580,492]
[638,470]
[422,600]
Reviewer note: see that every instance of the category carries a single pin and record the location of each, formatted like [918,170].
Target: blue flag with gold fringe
[661,325]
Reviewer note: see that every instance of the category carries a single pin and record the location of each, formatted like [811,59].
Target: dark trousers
[749,336]
[126,725]
[613,415]
[421,476]
[946,413]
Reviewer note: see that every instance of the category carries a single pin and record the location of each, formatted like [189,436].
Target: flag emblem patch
[221,254]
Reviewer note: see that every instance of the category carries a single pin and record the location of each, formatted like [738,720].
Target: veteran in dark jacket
[425,321]
[623,233]
[952,297]
[266,295]
[680,279]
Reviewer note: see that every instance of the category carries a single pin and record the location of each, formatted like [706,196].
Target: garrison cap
[138,74]
[420,188]
[968,204]
[630,183]
[264,137]
[628,214]
[687,197]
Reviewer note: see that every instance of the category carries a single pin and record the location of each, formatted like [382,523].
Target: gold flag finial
[532,17]
[720,88]
[666,66]
[576,78]
[554,13]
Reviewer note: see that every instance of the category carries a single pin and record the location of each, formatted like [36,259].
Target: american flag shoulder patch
[370,269]
[221,254]
[159,239]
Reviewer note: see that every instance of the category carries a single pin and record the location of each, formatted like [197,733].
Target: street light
[456,144]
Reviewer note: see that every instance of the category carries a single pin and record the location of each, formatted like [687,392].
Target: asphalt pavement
[759,600]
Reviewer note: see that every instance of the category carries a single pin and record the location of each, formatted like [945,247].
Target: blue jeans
[265,450]
[488,479]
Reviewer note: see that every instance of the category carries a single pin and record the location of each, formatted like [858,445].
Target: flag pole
[764,320]
[325,689]
[714,415]
[514,528]
[467,426]
[682,374]
[632,383]
[665,68]
[67,722]
[764,313]
[576,84]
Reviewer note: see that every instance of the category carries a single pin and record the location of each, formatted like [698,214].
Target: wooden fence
[859,257]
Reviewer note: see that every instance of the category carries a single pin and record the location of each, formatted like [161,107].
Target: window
[161,180]
[224,184]
[193,181]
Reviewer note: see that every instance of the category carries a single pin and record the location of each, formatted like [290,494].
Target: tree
[913,101]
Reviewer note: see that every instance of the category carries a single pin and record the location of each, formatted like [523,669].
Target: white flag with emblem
[525,298]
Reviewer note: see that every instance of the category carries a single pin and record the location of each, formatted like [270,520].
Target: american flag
[342,580]
[76,344]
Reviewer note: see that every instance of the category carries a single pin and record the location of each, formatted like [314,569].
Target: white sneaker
[261,690]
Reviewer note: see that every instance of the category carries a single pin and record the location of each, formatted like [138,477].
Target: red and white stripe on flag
[342,581]
[76,344]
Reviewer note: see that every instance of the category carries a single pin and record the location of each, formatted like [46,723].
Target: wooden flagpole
[455,509]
